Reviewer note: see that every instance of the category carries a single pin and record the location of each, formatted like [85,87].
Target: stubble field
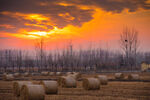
[115,90]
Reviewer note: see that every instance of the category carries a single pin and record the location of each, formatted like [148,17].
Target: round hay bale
[58,73]
[133,77]
[32,92]
[103,79]
[119,76]
[17,74]
[68,82]
[44,73]
[8,77]
[91,84]
[75,75]
[51,73]
[36,82]
[33,74]
[68,73]
[51,87]
[17,87]
[26,74]
[4,74]
[73,72]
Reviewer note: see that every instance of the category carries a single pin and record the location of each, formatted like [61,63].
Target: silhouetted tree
[129,43]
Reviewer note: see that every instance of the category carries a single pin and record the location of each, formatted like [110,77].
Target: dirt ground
[115,90]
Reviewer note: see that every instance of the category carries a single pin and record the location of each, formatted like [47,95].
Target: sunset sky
[84,22]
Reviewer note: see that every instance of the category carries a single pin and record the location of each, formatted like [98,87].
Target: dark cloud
[114,5]
[51,9]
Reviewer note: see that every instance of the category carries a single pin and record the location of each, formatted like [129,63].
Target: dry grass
[113,91]
[86,97]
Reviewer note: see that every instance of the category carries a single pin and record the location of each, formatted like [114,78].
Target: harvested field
[115,90]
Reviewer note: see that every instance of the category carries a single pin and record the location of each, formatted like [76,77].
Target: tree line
[85,60]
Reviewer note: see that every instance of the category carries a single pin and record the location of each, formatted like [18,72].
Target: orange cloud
[33,17]
[67,16]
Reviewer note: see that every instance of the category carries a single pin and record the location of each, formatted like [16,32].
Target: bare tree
[40,53]
[129,43]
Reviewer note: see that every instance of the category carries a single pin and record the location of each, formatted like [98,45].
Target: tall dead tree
[129,43]
[40,53]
